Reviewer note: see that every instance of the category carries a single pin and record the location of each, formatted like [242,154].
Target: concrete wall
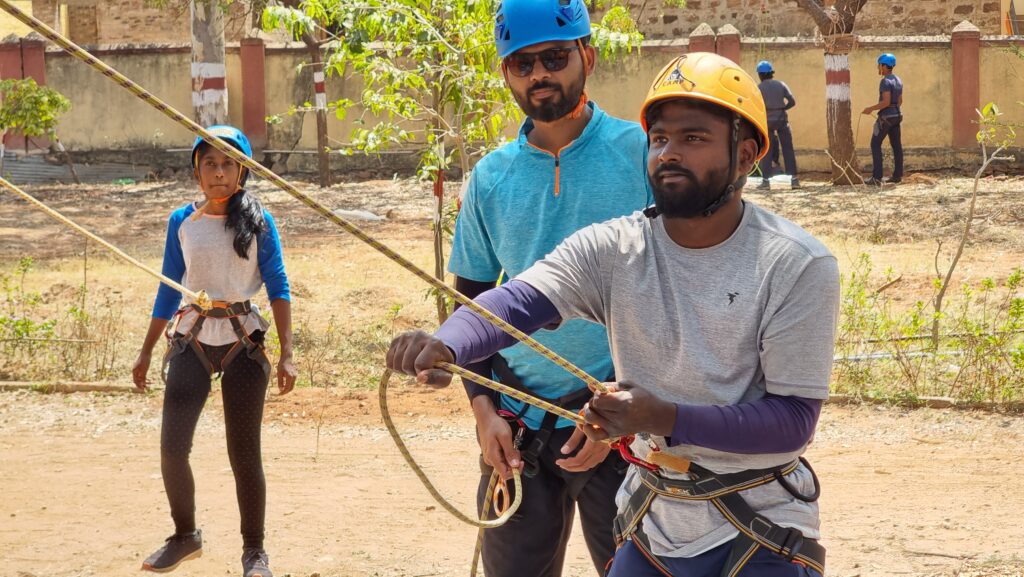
[128,21]
[1002,79]
[9,25]
[768,18]
[105,116]
[95,22]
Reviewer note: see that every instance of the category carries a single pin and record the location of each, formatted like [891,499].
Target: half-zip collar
[588,131]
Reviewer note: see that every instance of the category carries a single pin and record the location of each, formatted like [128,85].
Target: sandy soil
[924,492]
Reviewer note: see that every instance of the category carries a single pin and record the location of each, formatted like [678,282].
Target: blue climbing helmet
[232,136]
[888,59]
[764,67]
[522,23]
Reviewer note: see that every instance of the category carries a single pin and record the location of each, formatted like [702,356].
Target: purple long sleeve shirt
[771,424]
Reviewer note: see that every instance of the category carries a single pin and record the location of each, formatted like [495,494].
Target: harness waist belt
[723,491]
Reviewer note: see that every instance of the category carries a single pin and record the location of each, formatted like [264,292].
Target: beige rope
[200,298]
[482,523]
[233,153]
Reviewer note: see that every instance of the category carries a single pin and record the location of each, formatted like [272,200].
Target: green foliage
[50,336]
[29,108]
[993,132]
[430,71]
[883,349]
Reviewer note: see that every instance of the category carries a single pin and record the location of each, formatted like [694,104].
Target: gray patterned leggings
[244,387]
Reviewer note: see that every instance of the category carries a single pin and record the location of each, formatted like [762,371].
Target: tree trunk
[836,24]
[209,90]
[320,100]
[441,300]
[838,116]
[67,157]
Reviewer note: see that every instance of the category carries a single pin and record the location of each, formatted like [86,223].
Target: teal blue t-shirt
[520,203]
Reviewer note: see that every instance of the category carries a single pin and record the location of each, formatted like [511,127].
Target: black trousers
[887,126]
[781,139]
[534,540]
[244,387]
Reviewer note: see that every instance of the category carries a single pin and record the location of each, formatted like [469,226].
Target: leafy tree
[32,110]
[431,77]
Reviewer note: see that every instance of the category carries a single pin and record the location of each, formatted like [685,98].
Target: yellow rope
[234,154]
[482,523]
[485,507]
[200,298]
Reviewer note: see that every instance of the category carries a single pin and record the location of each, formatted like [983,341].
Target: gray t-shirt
[777,98]
[716,326]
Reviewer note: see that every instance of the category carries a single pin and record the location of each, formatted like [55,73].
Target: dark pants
[244,387]
[533,541]
[781,138]
[630,562]
[887,126]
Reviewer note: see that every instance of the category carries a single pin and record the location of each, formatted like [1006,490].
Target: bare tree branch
[817,12]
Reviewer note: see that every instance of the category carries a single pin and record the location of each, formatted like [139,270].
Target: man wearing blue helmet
[225,244]
[777,99]
[890,100]
[571,165]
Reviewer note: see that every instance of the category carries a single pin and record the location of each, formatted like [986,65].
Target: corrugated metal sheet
[34,169]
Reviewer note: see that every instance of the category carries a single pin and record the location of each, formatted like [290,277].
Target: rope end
[204,301]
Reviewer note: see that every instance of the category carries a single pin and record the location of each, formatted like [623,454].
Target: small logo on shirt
[732,297]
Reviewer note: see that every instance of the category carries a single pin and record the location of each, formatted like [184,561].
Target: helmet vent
[559,21]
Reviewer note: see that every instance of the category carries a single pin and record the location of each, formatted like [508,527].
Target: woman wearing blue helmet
[890,116]
[571,166]
[227,245]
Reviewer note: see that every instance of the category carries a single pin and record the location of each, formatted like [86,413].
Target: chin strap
[581,106]
[734,151]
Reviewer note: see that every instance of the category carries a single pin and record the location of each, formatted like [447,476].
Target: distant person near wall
[890,116]
[778,99]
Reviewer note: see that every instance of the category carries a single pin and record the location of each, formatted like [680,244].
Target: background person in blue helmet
[227,245]
[777,99]
[890,116]
[571,165]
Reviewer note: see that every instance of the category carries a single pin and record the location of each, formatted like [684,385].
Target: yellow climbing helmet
[715,79]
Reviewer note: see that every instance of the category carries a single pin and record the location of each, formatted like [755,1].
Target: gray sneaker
[176,550]
[255,563]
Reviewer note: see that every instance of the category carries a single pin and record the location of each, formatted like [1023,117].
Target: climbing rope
[233,153]
[199,298]
[592,383]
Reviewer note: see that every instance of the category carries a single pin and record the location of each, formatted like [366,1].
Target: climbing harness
[723,491]
[256,168]
[535,441]
[178,342]
[201,300]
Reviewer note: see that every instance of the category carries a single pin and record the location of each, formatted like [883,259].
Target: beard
[555,106]
[689,197]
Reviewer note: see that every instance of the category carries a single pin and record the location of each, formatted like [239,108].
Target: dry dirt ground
[906,492]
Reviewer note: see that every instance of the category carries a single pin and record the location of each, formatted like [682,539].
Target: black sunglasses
[553,59]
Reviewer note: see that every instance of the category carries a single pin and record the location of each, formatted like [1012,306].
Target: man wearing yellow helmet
[721,318]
